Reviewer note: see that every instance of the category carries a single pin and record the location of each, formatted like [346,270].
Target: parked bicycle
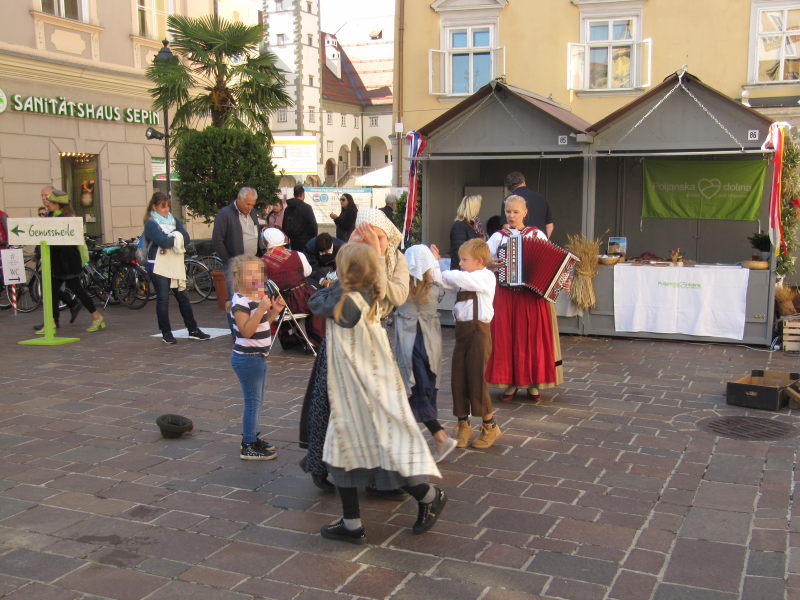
[113,276]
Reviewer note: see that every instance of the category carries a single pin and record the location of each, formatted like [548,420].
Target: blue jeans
[162,304]
[251,369]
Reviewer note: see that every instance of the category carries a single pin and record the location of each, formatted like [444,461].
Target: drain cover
[748,428]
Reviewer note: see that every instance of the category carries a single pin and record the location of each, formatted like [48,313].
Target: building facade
[594,56]
[341,91]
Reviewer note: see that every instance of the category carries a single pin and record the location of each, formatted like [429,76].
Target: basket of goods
[755,265]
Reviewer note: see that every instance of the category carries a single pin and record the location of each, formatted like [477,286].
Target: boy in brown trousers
[473,312]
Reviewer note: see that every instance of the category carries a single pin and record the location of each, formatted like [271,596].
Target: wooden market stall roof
[681,114]
[502,120]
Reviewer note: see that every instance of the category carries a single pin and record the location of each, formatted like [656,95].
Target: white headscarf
[375,217]
[274,237]
[420,260]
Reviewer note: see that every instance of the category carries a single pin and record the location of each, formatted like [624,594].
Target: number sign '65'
[56,231]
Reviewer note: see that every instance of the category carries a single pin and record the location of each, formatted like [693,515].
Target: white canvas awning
[378,178]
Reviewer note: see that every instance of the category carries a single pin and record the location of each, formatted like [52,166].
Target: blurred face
[163,208]
[469,263]
[246,204]
[253,275]
[42,212]
[515,214]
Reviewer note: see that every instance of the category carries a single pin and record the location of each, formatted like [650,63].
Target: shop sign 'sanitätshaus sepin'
[62,107]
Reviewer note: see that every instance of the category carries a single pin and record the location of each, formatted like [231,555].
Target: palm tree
[218,72]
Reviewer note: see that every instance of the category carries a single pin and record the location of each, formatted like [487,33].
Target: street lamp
[164,56]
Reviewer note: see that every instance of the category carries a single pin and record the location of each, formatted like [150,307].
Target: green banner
[707,189]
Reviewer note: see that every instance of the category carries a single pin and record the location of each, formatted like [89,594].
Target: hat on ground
[58,197]
[174,426]
[274,237]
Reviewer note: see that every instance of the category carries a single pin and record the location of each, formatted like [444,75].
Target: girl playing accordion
[525,348]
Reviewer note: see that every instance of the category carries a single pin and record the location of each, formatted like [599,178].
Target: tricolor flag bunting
[774,141]
[416,144]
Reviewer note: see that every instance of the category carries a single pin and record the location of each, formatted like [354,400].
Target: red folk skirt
[523,351]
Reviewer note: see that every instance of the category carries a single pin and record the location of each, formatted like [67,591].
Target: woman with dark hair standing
[346,221]
[161,229]
[66,266]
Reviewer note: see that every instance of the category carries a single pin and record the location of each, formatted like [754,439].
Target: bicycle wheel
[130,286]
[214,263]
[29,294]
[5,300]
[198,281]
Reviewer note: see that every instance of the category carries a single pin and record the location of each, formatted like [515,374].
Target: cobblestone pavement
[606,490]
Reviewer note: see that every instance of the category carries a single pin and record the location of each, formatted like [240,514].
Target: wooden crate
[791,335]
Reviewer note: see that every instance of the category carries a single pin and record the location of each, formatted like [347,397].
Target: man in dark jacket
[299,222]
[390,206]
[538,209]
[236,227]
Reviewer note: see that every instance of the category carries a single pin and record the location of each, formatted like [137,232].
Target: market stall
[499,129]
[681,168]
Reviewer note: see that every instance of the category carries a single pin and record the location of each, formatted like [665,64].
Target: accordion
[536,264]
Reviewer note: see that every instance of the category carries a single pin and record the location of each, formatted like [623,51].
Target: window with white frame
[280,39]
[312,114]
[329,119]
[329,145]
[777,42]
[611,54]
[373,121]
[278,4]
[152,15]
[311,80]
[468,56]
[281,116]
[69,9]
[344,120]
[355,121]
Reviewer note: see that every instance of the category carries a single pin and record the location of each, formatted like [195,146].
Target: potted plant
[761,242]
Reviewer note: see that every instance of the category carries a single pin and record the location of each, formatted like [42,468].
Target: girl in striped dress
[372,435]
[252,312]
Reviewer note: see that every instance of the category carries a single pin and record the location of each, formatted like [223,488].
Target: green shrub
[214,163]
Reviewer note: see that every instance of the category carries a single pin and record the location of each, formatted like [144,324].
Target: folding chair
[287,316]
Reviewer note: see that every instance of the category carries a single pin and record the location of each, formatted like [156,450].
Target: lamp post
[164,56]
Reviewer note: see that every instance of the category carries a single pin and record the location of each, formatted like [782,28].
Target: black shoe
[73,311]
[322,483]
[264,444]
[252,451]
[169,338]
[337,531]
[396,494]
[196,334]
[429,513]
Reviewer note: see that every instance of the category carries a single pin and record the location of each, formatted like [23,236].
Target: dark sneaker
[196,334]
[252,451]
[264,444]
[337,531]
[169,338]
[429,513]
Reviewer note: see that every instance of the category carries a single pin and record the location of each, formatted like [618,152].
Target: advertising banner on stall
[294,154]
[694,189]
[325,201]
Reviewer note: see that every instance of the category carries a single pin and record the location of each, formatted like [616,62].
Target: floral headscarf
[375,217]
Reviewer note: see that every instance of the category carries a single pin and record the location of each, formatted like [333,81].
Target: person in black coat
[66,266]
[321,252]
[467,226]
[299,222]
[346,221]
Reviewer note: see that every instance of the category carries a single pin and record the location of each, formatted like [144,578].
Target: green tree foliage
[214,163]
[399,216]
[790,192]
[218,73]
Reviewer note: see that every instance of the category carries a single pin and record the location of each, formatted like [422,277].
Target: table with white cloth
[702,300]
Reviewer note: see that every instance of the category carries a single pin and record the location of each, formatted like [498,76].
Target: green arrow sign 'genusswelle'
[61,231]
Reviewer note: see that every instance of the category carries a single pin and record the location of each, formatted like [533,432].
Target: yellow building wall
[710,38]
